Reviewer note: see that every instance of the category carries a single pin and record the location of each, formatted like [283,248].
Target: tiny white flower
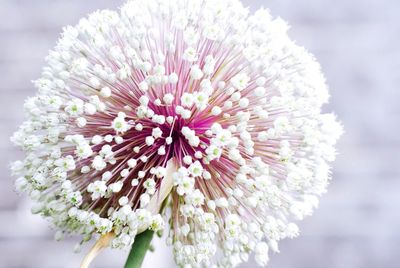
[190,54]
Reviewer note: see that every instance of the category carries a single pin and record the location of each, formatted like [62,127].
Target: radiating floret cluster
[191,115]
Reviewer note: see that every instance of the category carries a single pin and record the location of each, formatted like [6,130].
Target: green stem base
[139,249]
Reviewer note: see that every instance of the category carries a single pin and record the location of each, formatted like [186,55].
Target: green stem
[139,249]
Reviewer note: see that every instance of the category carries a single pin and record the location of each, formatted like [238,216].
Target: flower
[195,100]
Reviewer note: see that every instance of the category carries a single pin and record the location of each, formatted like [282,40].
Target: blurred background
[357,43]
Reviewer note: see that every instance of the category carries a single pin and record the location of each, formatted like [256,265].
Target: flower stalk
[139,249]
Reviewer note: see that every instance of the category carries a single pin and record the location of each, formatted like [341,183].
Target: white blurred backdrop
[357,43]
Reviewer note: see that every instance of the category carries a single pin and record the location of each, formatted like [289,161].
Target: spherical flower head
[195,104]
